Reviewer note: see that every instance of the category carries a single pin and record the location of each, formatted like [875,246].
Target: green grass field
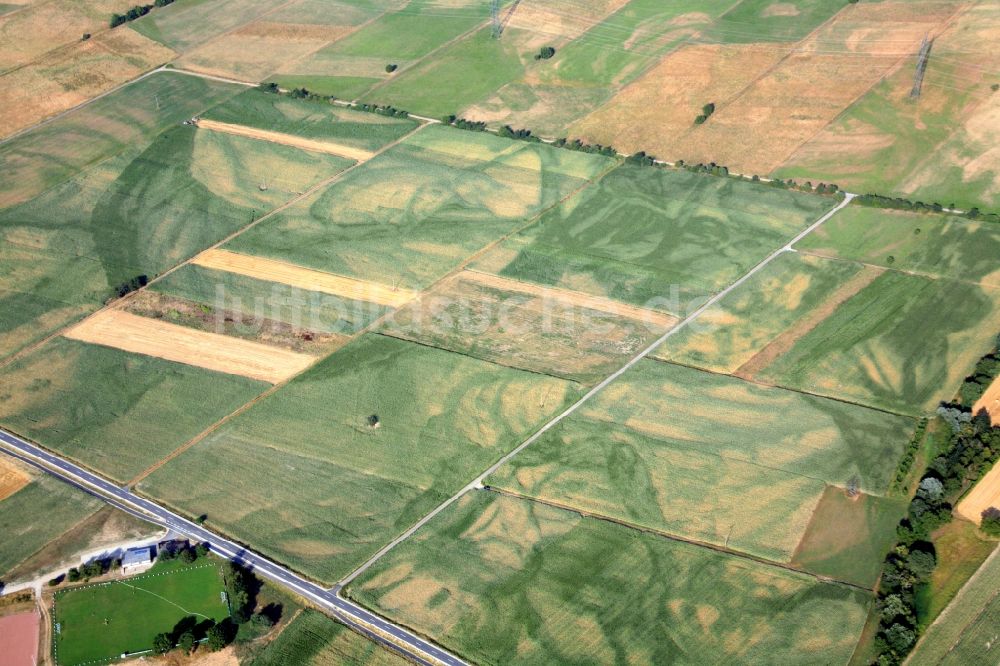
[24,534]
[966,629]
[337,488]
[102,621]
[188,23]
[866,351]
[415,212]
[771,20]
[311,310]
[116,412]
[317,640]
[647,235]
[735,329]
[137,212]
[504,581]
[935,245]
[311,119]
[709,457]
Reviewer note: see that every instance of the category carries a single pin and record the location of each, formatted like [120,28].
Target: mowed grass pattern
[105,620]
[415,212]
[338,488]
[708,457]
[115,412]
[315,639]
[505,581]
[652,236]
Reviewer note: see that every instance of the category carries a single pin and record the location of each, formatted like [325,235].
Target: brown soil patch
[273,270]
[990,401]
[12,478]
[790,336]
[72,75]
[19,639]
[234,324]
[670,95]
[141,335]
[573,298]
[983,495]
[288,140]
[563,18]
[781,9]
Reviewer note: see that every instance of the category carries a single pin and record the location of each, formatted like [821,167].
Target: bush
[545,53]
[698,120]
[991,521]
[390,68]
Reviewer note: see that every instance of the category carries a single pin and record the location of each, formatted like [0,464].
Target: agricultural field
[967,629]
[101,621]
[314,639]
[62,505]
[189,23]
[557,332]
[771,21]
[115,412]
[137,210]
[505,581]
[340,484]
[934,148]
[710,458]
[762,316]
[865,350]
[404,35]
[664,240]
[414,213]
[934,245]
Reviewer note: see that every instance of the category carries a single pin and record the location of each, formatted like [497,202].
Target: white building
[137,560]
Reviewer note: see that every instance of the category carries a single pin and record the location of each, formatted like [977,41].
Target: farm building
[137,560]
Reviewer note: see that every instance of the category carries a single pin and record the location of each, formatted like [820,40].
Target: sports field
[505,581]
[114,411]
[339,486]
[555,331]
[709,457]
[417,211]
[315,639]
[102,621]
[655,238]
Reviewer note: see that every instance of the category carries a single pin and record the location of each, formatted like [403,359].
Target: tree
[201,550]
[162,643]
[698,120]
[931,489]
[215,638]
[390,68]
[708,109]
[921,563]
[186,642]
[73,575]
[545,53]
[899,638]
[991,521]
[261,621]
[892,607]
[188,555]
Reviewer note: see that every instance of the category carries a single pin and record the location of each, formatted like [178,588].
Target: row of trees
[136,12]
[973,448]
[986,370]
[899,203]
[910,455]
[189,632]
[305,93]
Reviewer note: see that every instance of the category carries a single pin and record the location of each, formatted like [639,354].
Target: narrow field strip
[310,279]
[288,140]
[569,297]
[787,339]
[152,337]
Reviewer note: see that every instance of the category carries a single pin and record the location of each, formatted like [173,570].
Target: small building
[137,560]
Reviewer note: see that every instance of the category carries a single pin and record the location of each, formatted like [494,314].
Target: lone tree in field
[373,421]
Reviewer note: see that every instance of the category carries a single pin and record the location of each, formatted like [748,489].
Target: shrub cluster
[135,12]
[580,146]
[545,53]
[899,203]
[706,112]
[129,286]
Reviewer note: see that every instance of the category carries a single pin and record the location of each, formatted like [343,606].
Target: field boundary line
[890,71]
[478,481]
[375,325]
[671,536]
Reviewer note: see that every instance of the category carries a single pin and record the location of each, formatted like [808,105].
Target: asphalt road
[399,639]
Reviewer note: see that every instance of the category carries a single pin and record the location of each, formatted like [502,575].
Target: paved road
[373,626]
[479,480]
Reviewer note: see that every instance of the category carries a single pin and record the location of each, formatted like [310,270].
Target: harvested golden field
[287,140]
[282,272]
[12,477]
[983,495]
[809,87]
[260,48]
[990,401]
[141,335]
[670,95]
[68,77]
